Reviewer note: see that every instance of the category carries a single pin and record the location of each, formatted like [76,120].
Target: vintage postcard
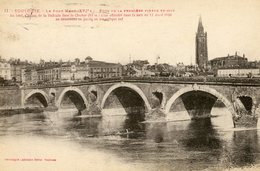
[129,85]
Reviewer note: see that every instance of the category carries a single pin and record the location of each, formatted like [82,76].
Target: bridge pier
[51,107]
[246,108]
[91,109]
[244,117]
[22,98]
[155,115]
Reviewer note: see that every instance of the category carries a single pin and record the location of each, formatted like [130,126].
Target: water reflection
[113,124]
[201,135]
[85,127]
[133,122]
[244,148]
[157,132]
[124,124]
[189,144]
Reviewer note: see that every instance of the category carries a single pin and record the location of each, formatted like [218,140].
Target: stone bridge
[154,99]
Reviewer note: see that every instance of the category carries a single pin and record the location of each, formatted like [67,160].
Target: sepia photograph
[129,85]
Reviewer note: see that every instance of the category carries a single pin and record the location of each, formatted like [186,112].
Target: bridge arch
[40,94]
[74,90]
[127,85]
[208,90]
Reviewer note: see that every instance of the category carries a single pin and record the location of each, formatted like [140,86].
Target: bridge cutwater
[155,98]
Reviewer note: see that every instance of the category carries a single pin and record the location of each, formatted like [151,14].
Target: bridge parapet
[170,80]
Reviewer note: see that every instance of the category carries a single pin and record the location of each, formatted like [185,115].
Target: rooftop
[229,57]
[94,63]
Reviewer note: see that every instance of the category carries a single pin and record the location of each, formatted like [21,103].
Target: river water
[64,141]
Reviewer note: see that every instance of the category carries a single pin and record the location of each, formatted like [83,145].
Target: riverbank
[8,112]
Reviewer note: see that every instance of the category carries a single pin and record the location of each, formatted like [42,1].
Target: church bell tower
[201,47]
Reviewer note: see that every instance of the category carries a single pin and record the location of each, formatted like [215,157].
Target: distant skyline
[232,25]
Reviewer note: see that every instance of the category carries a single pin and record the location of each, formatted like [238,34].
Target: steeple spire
[201,46]
[200,26]
[200,20]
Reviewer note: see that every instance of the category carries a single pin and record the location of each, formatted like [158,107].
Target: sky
[232,25]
